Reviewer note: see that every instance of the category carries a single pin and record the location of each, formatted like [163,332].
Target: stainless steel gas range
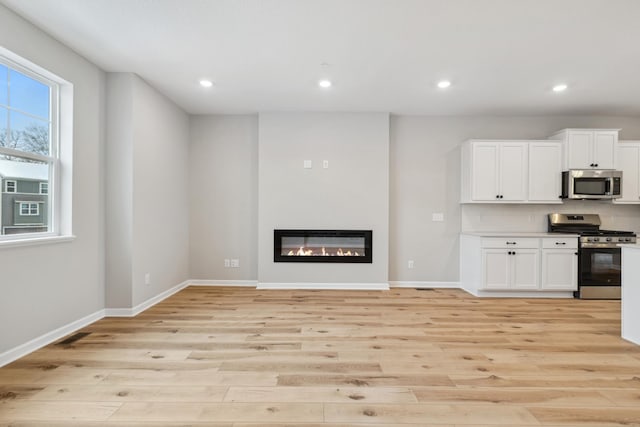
[599,254]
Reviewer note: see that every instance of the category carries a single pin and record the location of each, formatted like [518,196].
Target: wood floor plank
[220,412]
[321,394]
[45,411]
[241,357]
[407,413]
[600,417]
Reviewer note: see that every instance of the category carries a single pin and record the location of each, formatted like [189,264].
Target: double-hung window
[29,154]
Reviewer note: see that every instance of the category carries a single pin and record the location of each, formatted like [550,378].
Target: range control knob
[596,239]
[608,239]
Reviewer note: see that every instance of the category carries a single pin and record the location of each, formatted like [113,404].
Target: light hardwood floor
[239,357]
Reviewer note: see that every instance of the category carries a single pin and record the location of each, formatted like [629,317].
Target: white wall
[48,286]
[353,193]
[119,190]
[223,179]
[151,217]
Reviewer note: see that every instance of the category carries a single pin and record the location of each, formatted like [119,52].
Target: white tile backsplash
[533,218]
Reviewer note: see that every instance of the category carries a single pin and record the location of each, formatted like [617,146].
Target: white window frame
[44,185]
[29,205]
[15,186]
[20,65]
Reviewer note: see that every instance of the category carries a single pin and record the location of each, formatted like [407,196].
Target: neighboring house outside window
[24,209]
[29,209]
[28,150]
[10,186]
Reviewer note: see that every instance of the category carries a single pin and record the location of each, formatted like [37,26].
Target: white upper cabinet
[511,171]
[588,148]
[545,171]
[629,164]
[494,171]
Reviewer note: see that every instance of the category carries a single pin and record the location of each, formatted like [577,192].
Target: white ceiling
[502,56]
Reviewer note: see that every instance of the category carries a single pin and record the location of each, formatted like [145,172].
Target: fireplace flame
[302,251]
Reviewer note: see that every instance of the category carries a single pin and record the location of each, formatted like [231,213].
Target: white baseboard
[134,311]
[248,283]
[425,285]
[384,286]
[521,294]
[48,338]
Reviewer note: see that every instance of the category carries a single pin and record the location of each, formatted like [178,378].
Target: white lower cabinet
[559,264]
[559,267]
[510,268]
[517,264]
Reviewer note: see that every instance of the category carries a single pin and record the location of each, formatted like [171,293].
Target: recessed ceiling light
[443,84]
[324,83]
[560,88]
[206,83]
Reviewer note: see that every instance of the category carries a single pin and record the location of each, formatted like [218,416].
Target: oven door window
[600,267]
[590,186]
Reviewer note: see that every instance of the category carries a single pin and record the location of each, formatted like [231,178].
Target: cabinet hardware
[561,243]
[576,253]
[511,243]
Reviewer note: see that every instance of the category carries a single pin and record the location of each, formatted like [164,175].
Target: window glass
[4,138]
[27,209]
[28,95]
[3,84]
[29,134]
[28,150]
[10,186]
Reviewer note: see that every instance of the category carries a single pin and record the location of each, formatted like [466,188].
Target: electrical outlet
[227,263]
[410,263]
[325,164]
[235,263]
[437,217]
[147,278]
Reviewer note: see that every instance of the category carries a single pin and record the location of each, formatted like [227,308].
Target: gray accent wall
[352,193]
[45,287]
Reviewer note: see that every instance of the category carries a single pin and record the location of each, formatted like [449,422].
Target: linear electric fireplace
[343,246]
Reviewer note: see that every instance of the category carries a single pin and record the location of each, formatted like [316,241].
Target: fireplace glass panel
[322,246]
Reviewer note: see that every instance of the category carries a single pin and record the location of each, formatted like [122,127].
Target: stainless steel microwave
[591,184]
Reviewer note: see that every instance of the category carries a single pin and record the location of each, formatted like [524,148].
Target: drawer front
[510,242]
[560,243]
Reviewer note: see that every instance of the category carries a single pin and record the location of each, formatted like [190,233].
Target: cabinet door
[580,150]
[559,269]
[513,171]
[545,172]
[629,163]
[495,268]
[604,148]
[524,269]
[484,178]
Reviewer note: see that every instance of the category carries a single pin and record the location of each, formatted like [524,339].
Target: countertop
[630,245]
[519,234]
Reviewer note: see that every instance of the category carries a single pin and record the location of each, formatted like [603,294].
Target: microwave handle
[607,186]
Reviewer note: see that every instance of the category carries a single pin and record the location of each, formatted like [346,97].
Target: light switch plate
[308,164]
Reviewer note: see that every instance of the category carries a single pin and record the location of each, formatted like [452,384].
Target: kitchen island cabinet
[631,293]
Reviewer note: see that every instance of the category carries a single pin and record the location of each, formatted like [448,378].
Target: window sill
[35,241]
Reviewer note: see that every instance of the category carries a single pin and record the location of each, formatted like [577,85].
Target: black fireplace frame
[368,245]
